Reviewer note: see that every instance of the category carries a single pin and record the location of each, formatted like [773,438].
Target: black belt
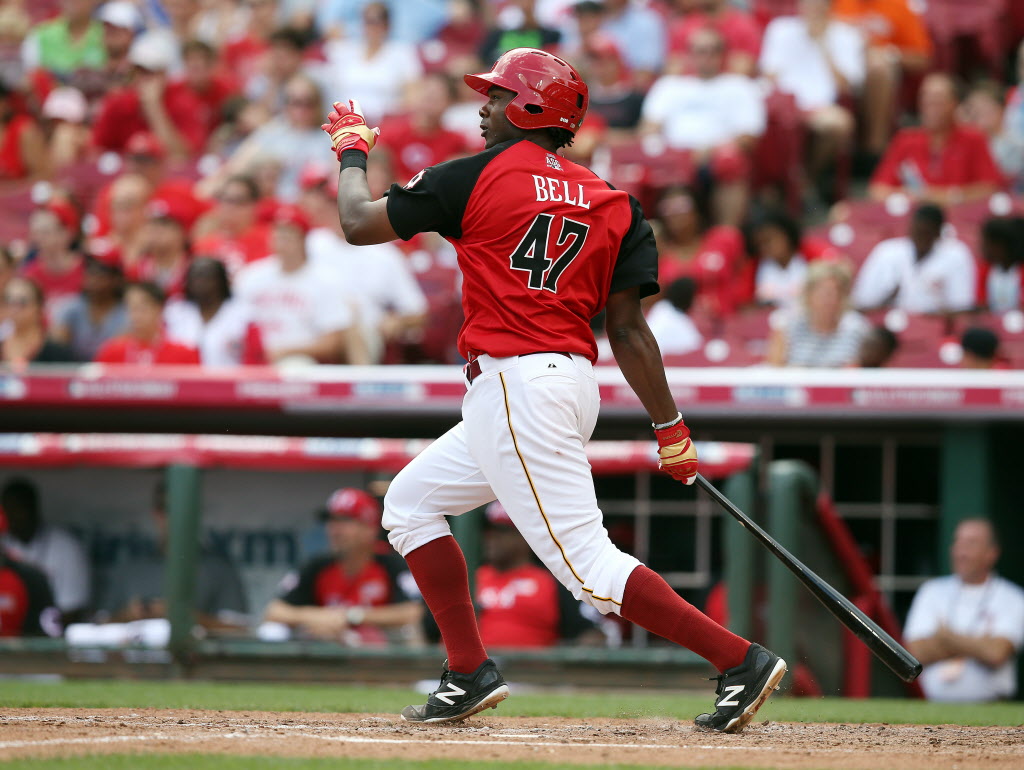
[473,367]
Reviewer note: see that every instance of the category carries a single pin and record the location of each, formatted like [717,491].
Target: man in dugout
[357,593]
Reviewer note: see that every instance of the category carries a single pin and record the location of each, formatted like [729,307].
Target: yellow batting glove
[677,455]
[348,130]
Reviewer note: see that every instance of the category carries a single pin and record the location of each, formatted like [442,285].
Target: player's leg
[527,427]
[443,480]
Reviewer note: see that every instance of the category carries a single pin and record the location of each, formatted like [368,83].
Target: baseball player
[543,245]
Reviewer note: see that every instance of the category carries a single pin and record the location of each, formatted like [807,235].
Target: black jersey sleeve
[299,589]
[403,587]
[637,263]
[435,199]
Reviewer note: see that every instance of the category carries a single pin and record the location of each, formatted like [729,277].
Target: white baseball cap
[120,13]
[153,51]
[65,103]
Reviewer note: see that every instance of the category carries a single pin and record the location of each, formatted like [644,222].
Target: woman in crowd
[23,330]
[1001,271]
[823,331]
[145,342]
[209,320]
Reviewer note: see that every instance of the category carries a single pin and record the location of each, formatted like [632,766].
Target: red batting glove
[676,454]
[348,130]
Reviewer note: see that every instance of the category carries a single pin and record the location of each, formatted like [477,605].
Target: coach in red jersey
[543,245]
[353,594]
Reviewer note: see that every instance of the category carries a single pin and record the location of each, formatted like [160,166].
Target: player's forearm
[394,615]
[354,201]
[638,356]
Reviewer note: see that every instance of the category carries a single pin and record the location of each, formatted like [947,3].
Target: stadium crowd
[832,182]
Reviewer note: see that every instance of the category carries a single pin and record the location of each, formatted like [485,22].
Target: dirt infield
[72,732]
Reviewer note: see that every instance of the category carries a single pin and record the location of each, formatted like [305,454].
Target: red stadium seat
[981,23]
[778,156]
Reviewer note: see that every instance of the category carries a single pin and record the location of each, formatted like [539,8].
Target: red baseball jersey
[541,242]
[24,595]
[525,607]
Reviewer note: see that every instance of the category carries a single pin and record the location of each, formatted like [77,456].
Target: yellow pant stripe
[536,497]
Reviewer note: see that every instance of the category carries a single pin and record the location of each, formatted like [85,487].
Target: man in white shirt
[52,550]
[817,59]
[390,303]
[670,322]
[967,628]
[716,115]
[302,309]
[921,273]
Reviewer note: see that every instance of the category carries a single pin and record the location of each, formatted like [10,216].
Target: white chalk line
[265,733]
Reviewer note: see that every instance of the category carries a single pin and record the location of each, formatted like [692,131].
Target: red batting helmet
[549,92]
[352,503]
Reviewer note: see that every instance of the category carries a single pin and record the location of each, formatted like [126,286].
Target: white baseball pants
[525,422]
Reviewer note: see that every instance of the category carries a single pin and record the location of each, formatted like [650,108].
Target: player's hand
[676,454]
[348,130]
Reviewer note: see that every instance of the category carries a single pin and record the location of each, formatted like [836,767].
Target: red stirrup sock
[440,571]
[650,602]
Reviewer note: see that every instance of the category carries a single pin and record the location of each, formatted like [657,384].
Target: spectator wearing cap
[824,331]
[519,604]
[49,548]
[923,272]
[211,320]
[71,41]
[165,250]
[145,343]
[357,594]
[288,141]
[897,44]
[941,161]
[121,21]
[53,262]
[740,33]
[231,231]
[391,305]
[145,103]
[301,307]
[980,349]
[64,121]
[1001,269]
[23,337]
[374,69]
[97,314]
[417,138]
[714,115]
[22,144]
[203,83]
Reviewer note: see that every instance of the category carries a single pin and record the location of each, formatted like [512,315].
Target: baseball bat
[883,646]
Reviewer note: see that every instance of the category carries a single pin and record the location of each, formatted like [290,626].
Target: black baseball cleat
[460,695]
[743,689]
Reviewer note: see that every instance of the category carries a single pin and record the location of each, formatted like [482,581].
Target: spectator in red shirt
[738,29]
[22,147]
[519,603]
[146,104]
[231,232]
[202,83]
[145,156]
[417,139]
[122,239]
[145,343]
[165,251]
[941,161]
[54,264]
